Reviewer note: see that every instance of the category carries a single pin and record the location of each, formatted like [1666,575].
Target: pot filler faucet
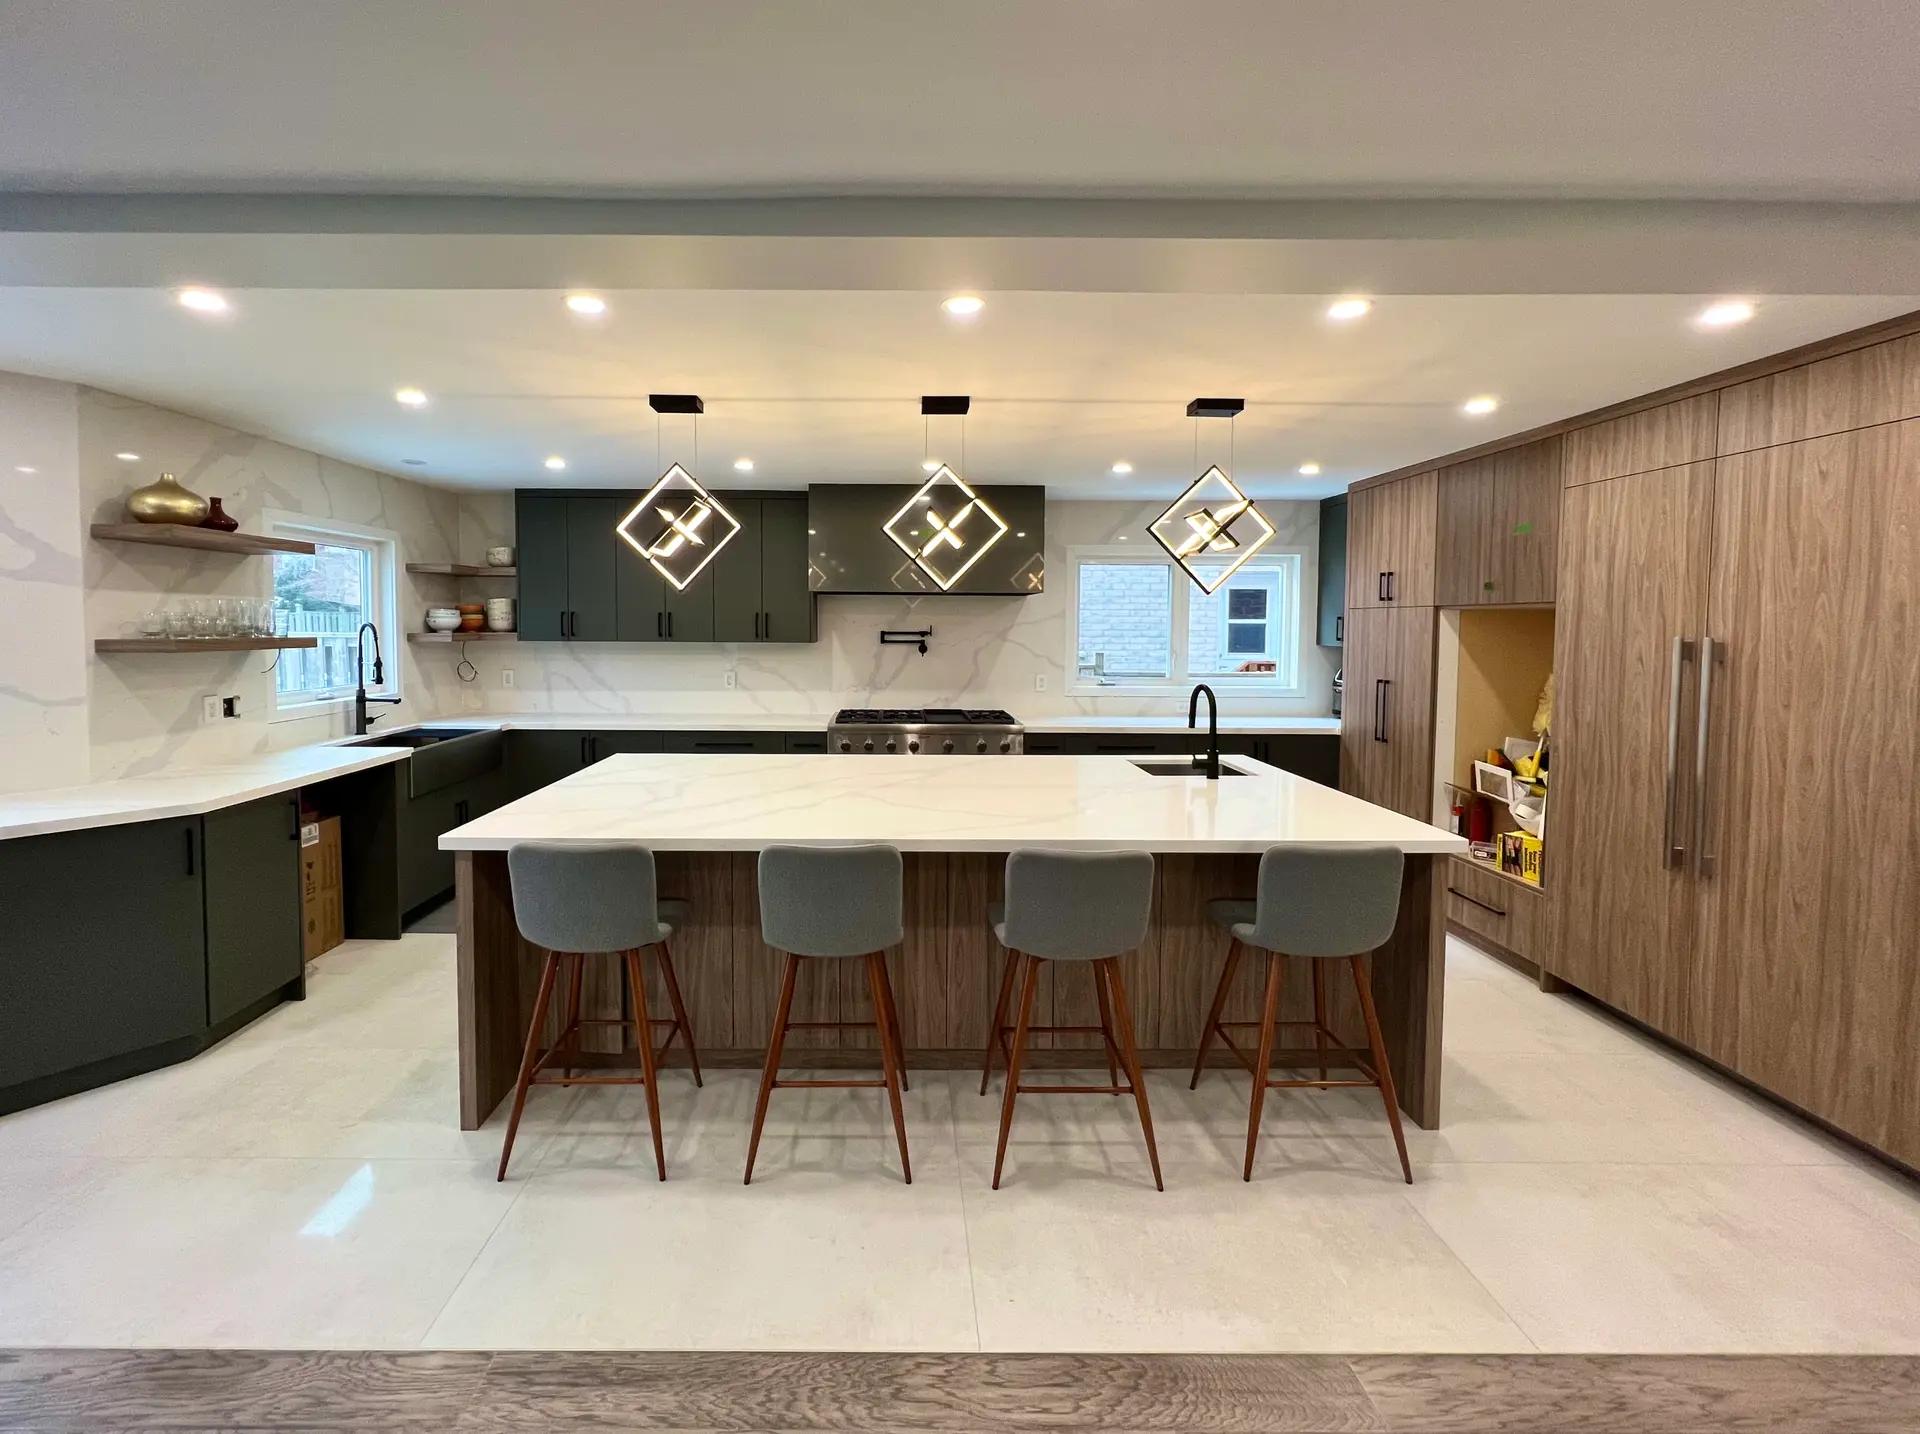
[1212,760]
[360,698]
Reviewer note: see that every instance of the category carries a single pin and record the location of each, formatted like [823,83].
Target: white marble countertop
[182,792]
[1329,726]
[817,721]
[674,802]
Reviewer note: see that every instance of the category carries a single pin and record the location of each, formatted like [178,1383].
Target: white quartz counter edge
[815,722]
[186,792]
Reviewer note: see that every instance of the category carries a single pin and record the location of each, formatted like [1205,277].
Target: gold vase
[166,502]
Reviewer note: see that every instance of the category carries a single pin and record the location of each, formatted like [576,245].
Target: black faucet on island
[360,699]
[1212,759]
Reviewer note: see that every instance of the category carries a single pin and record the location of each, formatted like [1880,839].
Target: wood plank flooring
[84,1390]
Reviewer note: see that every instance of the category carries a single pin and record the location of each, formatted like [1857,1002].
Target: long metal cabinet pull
[1710,652]
[1674,853]
[1380,686]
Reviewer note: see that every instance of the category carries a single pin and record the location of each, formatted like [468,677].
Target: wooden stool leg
[576,968]
[772,1067]
[1123,1017]
[1363,984]
[528,1057]
[679,1009]
[1013,1062]
[1320,1013]
[893,1020]
[1106,1024]
[999,1018]
[1213,1012]
[1269,1013]
[643,1032]
[889,1052]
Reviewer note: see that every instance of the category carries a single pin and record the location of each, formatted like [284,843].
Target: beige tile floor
[305,1185]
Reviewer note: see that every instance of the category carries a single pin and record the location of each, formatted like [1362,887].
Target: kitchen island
[954,818]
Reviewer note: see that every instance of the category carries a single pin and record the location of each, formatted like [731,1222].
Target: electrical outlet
[209,709]
[230,706]
[731,680]
[506,677]
[1039,682]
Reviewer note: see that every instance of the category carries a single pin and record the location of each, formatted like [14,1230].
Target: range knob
[947,745]
[869,744]
[845,745]
[890,746]
[982,745]
[1006,744]
[913,744]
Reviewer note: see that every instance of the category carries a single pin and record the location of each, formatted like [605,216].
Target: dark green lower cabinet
[105,947]
[1313,755]
[253,903]
[725,742]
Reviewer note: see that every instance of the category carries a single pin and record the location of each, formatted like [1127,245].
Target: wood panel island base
[954,819]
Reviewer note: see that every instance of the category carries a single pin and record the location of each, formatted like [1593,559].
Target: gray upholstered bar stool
[581,901]
[1090,907]
[837,903]
[1323,903]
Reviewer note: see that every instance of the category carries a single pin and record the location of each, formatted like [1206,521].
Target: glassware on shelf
[179,622]
[153,622]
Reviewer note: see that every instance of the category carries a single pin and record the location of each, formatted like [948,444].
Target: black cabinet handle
[723,746]
[669,626]
[1339,627]
[293,807]
[1380,685]
[584,739]
[1390,578]
[189,832]
[1380,586]
[1456,891]
[659,624]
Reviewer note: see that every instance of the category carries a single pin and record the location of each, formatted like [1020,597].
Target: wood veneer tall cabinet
[1386,723]
[1390,547]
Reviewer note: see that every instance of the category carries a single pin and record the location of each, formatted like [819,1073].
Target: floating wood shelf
[201,644]
[207,540]
[463,570]
[482,636]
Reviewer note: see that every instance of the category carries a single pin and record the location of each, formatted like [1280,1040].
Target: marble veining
[676,802]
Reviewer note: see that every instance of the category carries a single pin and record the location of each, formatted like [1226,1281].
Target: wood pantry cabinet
[1386,723]
[1390,543]
[1497,520]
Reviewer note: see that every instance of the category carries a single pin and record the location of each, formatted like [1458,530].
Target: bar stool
[1323,903]
[834,903]
[580,901]
[1071,906]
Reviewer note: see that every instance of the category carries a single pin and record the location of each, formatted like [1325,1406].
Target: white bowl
[442,619]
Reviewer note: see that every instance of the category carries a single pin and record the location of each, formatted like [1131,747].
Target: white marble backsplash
[985,651]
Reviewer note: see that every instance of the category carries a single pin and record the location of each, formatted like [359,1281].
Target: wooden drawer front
[1854,390]
[1491,906]
[1663,437]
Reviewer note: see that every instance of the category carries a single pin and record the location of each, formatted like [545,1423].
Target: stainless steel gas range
[906,731]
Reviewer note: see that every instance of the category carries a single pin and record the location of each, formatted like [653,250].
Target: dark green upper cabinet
[567,565]
[253,903]
[579,581]
[1333,572]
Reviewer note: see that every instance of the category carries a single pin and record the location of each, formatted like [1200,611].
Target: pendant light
[1213,522]
[946,527]
[678,526]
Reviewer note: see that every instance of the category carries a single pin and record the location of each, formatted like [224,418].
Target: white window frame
[383,546]
[1287,636]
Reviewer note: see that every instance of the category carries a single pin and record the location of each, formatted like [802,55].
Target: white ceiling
[1803,99]
[823,386]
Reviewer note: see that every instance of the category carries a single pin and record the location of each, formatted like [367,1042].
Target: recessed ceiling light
[1479,405]
[1123,537]
[964,306]
[1309,470]
[590,306]
[414,462]
[555,463]
[202,301]
[411,397]
[1341,310]
[25,468]
[128,457]
[743,465]
[930,465]
[1725,314]
[1123,468]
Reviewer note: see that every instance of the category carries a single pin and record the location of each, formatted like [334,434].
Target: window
[1140,624]
[348,580]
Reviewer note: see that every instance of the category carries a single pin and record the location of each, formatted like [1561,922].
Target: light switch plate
[1039,682]
[209,709]
[506,677]
[732,679]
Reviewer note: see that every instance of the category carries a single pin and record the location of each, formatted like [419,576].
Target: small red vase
[217,517]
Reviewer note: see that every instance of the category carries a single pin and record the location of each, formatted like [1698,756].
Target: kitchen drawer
[1505,912]
[726,742]
[806,741]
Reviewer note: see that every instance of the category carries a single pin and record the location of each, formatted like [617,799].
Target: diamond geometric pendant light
[1213,518]
[946,527]
[678,527]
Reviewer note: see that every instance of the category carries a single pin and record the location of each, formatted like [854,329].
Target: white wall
[43,665]
[144,710]
[985,651]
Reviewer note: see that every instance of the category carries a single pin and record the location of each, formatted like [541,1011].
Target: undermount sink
[419,737]
[1182,767]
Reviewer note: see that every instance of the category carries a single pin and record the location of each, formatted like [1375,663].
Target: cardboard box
[322,905]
